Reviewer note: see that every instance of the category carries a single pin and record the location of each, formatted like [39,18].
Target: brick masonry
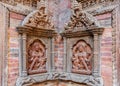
[106,50]
[13,48]
[59,19]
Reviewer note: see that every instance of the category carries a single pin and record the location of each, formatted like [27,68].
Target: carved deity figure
[80,19]
[36,57]
[40,19]
[81,60]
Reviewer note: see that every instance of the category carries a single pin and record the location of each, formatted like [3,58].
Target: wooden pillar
[65,54]
[53,56]
[96,55]
[24,72]
[22,55]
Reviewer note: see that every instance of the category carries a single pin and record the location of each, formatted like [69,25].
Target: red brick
[16,16]
[104,16]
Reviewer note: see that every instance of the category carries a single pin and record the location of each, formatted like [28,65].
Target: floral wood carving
[36,57]
[40,19]
[81,59]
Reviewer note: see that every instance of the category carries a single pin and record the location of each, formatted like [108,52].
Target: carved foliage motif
[81,59]
[36,57]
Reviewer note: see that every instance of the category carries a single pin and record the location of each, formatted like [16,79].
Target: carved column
[65,59]
[96,57]
[52,59]
[22,55]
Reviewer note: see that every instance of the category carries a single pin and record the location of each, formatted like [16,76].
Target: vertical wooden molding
[53,56]
[65,59]
[49,61]
[115,46]
[20,55]
[24,71]
[5,47]
[96,62]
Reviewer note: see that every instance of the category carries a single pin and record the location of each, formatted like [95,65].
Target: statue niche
[36,57]
[81,59]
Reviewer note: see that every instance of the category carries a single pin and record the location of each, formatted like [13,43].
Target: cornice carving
[88,3]
[32,3]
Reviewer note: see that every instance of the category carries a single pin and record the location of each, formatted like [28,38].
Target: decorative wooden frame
[89,32]
[92,37]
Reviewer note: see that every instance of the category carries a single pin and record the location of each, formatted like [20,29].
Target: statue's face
[81,48]
[36,46]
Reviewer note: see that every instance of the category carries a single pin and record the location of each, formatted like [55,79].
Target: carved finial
[41,4]
[76,5]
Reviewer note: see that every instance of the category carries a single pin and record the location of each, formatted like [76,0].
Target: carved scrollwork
[56,75]
[25,81]
[36,57]
[81,59]
[92,81]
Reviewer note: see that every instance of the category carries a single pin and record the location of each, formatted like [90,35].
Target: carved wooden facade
[81,47]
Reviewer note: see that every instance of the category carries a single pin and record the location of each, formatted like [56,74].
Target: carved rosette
[36,57]
[81,59]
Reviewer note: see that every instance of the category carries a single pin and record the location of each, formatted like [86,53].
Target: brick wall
[106,43]
[61,12]
[106,48]
[13,48]
[59,55]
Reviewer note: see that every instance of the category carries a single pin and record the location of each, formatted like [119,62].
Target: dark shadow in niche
[36,57]
[81,58]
